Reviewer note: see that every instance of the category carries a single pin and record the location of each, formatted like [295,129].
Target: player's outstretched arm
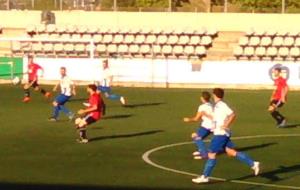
[73,89]
[197,117]
[55,87]
[284,94]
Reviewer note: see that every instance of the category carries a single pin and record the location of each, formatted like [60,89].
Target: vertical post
[61,5]
[283,6]
[92,50]
[32,4]
[55,4]
[115,5]
[225,6]
[170,6]
[7,4]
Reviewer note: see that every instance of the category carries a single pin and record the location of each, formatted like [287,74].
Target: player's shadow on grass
[273,175]
[290,126]
[143,104]
[126,135]
[121,116]
[256,146]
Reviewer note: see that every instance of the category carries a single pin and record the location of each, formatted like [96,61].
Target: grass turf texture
[38,154]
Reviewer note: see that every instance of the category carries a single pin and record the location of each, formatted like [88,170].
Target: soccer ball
[16,81]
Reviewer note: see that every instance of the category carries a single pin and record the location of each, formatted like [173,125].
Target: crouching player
[206,125]
[91,114]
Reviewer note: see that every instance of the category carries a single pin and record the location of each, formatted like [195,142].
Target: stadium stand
[82,41]
[268,45]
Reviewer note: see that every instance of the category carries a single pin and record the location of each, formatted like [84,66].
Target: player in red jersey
[92,113]
[33,70]
[278,98]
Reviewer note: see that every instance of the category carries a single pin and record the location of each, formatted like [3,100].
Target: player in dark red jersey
[92,113]
[278,98]
[33,70]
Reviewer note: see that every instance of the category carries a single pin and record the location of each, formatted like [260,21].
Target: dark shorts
[35,84]
[89,120]
[278,103]
[62,99]
[104,89]
[219,143]
[203,132]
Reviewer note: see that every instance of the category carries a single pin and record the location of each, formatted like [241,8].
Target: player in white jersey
[67,90]
[223,117]
[106,82]
[205,126]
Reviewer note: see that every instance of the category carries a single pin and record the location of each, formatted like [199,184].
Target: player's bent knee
[194,135]
[54,104]
[82,123]
[211,155]
[77,121]
[231,152]
[271,108]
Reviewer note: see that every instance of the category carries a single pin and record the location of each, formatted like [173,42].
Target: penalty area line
[146,158]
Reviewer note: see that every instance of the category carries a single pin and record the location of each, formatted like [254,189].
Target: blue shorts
[203,132]
[62,99]
[219,143]
[104,89]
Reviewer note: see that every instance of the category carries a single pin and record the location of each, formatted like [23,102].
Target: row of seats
[267,53]
[267,41]
[130,39]
[273,32]
[73,29]
[133,50]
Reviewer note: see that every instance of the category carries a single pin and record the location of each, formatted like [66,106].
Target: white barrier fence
[229,73]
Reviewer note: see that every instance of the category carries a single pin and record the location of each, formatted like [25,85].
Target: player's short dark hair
[219,92]
[206,96]
[30,56]
[277,69]
[93,87]
[64,68]
[105,61]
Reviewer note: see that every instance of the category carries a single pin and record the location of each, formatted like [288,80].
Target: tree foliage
[246,5]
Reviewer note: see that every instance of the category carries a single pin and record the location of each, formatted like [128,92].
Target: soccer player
[205,127]
[223,116]
[105,84]
[33,69]
[67,90]
[278,97]
[91,114]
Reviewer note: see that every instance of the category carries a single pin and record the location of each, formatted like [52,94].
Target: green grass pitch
[38,154]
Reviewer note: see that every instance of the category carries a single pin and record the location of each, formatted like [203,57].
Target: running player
[106,82]
[33,69]
[223,116]
[205,127]
[67,90]
[91,114]
[278,97]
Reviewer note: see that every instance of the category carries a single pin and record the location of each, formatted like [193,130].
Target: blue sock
[65,110]
[114,97]
[200,146]
[245,159]
[56,111]
[209,166]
